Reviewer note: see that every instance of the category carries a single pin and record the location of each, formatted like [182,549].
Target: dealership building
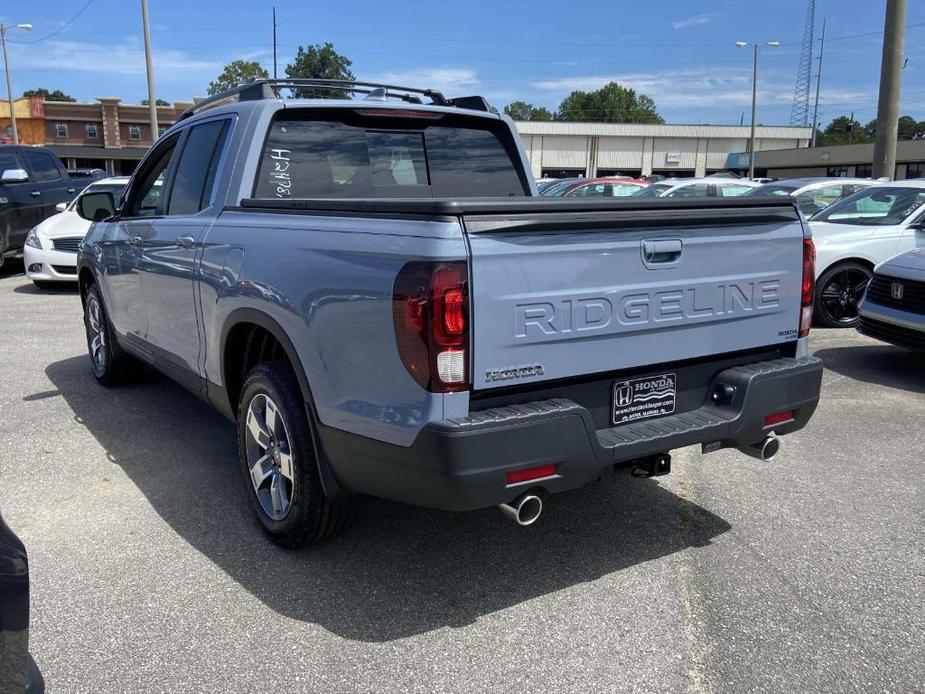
[559,149]
[837,160]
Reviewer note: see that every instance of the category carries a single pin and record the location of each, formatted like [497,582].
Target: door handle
[661,252]
[71,190]
[35,193]
[134,240]
[185,241]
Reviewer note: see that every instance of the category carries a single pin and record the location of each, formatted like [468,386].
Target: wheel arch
[861,260]
[240,328]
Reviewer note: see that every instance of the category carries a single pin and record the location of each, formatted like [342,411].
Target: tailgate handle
[661,252]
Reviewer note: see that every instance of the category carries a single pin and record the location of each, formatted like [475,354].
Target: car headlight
[33,240]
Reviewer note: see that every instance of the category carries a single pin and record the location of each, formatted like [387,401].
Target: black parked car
[32,182]
[18,672]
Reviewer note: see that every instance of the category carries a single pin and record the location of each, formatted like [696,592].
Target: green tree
[320,62]
[157,102]
[235,73]
[611,103]
[521,110]
[56,95]
[845,130]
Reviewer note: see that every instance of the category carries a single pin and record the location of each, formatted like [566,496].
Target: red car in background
[600,188]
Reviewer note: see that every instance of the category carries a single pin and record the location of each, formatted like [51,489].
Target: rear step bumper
[461,464]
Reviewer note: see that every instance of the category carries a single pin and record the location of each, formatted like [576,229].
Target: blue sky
[680,53]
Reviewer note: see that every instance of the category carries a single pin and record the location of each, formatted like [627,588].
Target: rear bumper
[461,464]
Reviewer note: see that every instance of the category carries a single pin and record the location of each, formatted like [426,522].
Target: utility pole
[888,105]
[850,127]
[751,137]
[274,41]
[152,100]
[9,80]
[818,82]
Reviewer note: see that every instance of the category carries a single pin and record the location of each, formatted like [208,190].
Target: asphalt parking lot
[730,575]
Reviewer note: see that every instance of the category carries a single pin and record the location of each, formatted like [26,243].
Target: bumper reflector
[779,418]
[531,473]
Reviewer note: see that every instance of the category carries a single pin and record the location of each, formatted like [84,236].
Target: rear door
[169,250]
[565,294]
[51,180]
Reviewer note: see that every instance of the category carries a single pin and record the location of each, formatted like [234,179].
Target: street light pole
[751,136]
[9,81]
[152,101]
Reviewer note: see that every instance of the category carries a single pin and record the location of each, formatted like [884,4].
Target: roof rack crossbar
[268,89]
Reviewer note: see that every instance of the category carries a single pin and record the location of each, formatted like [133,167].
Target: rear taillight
[809,287]
[430,307]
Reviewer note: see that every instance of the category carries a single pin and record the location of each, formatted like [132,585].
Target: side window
[143,199]
[43,165]
[192,184]
[695,190]
[9,159]
[732,191]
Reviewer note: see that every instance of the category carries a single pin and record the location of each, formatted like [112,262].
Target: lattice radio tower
[799,115]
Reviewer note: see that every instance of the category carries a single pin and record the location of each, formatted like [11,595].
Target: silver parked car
[697,188]
[893,309]
[813,194]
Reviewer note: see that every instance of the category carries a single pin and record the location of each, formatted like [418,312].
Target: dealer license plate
[641,398]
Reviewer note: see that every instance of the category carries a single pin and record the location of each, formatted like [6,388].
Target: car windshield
[771,189]
[877,205]
[653,191]
[114,188]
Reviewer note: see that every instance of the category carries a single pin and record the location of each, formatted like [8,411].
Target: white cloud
[708,87]
[449,80]
[692,21]
[126,57]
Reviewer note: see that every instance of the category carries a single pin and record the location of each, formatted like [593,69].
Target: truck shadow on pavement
[882,365]
[401,570]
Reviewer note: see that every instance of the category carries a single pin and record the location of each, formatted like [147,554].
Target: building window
[837,172]
[134,132]
[91,131]
[61,129]
[915,170]
[864,170]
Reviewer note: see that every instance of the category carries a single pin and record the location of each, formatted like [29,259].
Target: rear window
[313,155]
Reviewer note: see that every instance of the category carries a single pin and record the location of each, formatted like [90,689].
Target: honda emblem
[896,291]
[624,396]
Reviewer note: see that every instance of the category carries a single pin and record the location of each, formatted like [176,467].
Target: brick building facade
[108,135]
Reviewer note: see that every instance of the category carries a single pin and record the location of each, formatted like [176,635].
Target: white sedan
[857,233]
[50,253]
[710,187]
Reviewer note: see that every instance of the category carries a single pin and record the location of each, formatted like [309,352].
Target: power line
[61,28]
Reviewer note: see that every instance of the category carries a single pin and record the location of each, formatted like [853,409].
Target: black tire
[310,517]
[111,366]
[838,291]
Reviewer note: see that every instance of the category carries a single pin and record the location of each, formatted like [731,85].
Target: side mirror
[61,206]
[14,176]
[95,207]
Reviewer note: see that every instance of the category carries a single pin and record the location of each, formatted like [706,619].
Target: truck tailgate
[560,292]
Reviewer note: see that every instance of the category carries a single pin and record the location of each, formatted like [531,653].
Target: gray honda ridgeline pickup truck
[370,289]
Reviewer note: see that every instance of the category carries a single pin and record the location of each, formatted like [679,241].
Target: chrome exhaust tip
[524,510]
[765,450]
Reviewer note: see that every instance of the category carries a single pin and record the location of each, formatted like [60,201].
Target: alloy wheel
[841,294]
[96,335]
[269,457]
